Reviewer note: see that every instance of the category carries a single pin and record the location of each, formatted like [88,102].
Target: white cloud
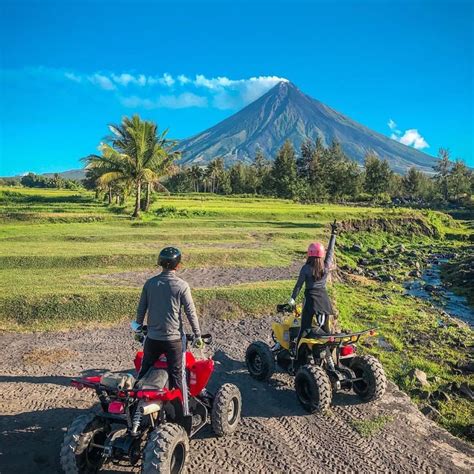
[214,82]
[102,81]
[411,137]
[167,80]
[221,92]
[234,93]
[182,79]
[73,77]
[123,79]
[180,101]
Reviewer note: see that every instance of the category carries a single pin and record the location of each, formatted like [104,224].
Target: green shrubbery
[172,211]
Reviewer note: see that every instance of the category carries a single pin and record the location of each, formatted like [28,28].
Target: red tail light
[347,351]
[116,407]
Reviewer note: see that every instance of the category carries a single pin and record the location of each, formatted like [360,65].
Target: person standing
[164,297]
[314,275]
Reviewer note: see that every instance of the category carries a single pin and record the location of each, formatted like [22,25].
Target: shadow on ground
[43,430]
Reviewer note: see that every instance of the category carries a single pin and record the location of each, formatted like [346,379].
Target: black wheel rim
[256,364]
[177,459]
[233,411]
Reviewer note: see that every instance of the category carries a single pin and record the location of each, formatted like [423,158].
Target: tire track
[275,434]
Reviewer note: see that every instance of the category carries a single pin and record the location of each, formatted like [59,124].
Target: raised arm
[142,306]
[332,242]
[299,284]
[190,310]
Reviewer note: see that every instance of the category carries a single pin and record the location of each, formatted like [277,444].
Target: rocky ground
[275,434]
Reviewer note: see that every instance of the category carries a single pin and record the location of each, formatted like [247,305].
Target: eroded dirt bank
[275,435]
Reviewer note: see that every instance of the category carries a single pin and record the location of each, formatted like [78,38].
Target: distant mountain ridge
[286,113]
[78,174]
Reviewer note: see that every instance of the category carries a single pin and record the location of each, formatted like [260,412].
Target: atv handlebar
[285,308]
[142,331]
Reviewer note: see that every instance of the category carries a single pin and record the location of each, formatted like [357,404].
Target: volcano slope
[275,434]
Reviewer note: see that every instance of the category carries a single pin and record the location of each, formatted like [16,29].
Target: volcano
[286,113]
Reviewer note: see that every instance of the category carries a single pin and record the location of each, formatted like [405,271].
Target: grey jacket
[164,296]
[306,272]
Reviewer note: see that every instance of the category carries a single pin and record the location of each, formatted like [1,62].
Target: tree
[57,181]
[237,178]
[284,171]
[459,180]
[442,172]
[412,182]
[196,173]
[341,175]
[215,174]
[319,170]
[377,174]
[261,172]
[136,154]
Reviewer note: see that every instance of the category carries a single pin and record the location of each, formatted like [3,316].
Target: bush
[172,211]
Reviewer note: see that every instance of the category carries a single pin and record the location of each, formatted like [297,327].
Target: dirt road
[275,435]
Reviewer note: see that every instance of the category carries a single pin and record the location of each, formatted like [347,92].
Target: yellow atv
[322,363]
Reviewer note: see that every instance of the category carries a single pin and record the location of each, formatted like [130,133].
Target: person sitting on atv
[314,275]
[163,296]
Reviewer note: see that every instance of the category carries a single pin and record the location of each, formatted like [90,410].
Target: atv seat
[315,333]
[154,379]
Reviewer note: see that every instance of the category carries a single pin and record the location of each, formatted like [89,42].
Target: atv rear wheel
[78,456]
[313,388]
[226,410]
[260,360]
[166,450]
[373,383]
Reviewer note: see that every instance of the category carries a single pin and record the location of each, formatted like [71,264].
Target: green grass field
[56,244]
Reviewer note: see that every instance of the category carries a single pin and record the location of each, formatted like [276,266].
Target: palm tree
[197,175]
[136,154]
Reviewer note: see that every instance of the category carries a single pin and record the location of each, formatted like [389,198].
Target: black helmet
[169,258]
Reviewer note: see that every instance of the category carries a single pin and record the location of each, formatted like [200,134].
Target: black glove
[334,227]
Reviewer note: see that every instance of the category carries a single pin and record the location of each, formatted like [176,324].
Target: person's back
[163,298]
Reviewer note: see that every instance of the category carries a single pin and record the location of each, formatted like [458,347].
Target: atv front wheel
[226,410]
[373,381]
[78,455]
[260,360]
[313,388]
[166,450]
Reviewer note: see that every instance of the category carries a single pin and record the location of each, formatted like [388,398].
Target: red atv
[146,420]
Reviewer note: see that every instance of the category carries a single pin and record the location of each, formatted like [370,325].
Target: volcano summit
[286,113]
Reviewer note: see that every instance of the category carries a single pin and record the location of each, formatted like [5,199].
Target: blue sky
[68,68]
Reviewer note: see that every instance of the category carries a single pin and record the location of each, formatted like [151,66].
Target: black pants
[311,308]
[173,351]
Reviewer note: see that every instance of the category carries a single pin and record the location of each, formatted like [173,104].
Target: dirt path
[275,435]
[210,277]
